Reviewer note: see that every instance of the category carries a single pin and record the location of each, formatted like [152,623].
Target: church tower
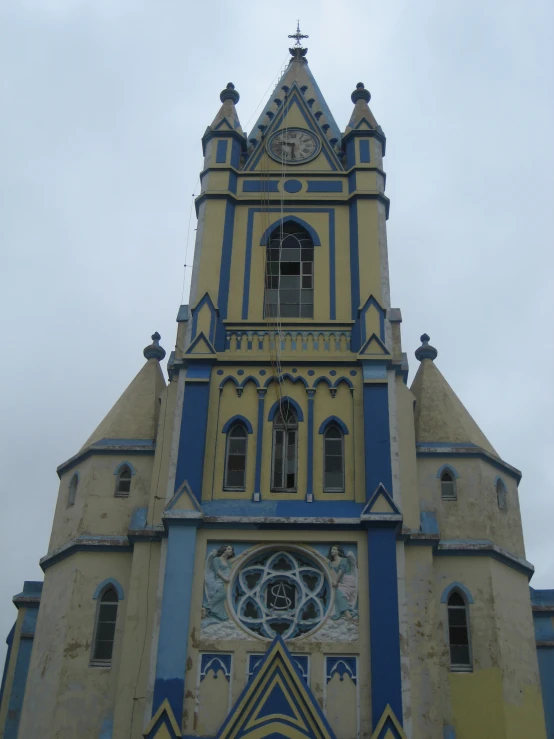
[286,540]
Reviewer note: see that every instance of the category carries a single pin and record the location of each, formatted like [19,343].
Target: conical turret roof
[135,414]
[227,115]
[360,98]
[440,415]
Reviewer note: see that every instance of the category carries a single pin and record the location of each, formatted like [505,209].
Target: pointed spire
[440,416]
[229,98]
[155,351]
[426,351]
[298,52]
[361,97]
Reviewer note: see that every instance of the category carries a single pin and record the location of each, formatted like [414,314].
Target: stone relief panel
[296,592]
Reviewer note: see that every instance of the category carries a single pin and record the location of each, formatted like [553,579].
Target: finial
[298,52]
[425,351]
[229,93]
[155,351]
[360,93]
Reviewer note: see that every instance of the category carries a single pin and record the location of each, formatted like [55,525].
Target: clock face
[293,146]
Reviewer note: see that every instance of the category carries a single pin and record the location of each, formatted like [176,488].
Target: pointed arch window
[104,631]
[284,469]
[448,485]
[235,458]
[123,481]
[333,453]
[73,485]
[289,273]
[501,495]
[458,632]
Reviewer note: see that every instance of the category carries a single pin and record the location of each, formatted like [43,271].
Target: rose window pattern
[283,592]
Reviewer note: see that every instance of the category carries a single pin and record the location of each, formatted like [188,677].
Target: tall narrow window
[73,489]
[501,495]
[448,486]
[235,458]
[333,473]
[104,633]
[458,632]
[123,484]
[285,449]
[289,274]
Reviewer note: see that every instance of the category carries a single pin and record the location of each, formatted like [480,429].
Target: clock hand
[292,145]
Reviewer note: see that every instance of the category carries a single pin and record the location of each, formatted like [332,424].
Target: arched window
[333,452]
[458,632]
[501,495]
[289,280]
[235,458]
[73,489]
[285,449]
[123,481]
[448,486]
[104,632]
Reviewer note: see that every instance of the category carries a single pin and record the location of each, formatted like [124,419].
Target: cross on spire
[298,35]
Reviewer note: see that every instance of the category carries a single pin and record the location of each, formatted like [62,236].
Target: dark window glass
[123,482]
[235,463]
[285,449]
[501,495]
[289,273]
[333,473]
[105,627]
[458,632]
[448,486]
[73,489]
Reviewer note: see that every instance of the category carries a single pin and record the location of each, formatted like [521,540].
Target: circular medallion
[293,146]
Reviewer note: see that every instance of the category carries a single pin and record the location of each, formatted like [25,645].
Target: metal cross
[298,35]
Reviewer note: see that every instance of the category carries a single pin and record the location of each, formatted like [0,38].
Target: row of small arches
[124,473]
[449,488]
[332,385]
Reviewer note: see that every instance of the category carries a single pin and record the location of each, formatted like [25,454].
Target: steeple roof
[227,116]
[361,97]
[298,72]
[135,414]
[440,415]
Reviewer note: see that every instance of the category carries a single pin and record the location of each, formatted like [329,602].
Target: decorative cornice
[466,449]
[109,446]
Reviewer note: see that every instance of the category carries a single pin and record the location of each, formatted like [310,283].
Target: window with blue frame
[289,273]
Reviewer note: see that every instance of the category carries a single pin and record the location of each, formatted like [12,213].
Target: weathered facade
[285,540]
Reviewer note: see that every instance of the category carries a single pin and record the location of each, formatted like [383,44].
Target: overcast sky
[104,105]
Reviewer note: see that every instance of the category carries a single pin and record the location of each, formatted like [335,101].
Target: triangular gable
[163,724]
[200,345]
[223,122]
[380,504]
[183,503]
[363,123]
[276,702]
[389,727]
[374,347]
[294,98]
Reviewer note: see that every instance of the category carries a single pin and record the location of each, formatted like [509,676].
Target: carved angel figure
[344,576]
[217,576]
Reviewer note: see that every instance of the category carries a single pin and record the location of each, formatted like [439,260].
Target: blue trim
[319,186]
[9,642]
[350,153]
[235,153]
[204,300]
[310,471]
[428,522]
[260,185]
[376,439]
[248,379]
[286,376]
[332,274]
[499,479]
[19,682]
[171,662]
[215,662]
[233,179]
[354,260]
[109,582]
[343,379]
[259,444]
[275,407]
[248,255]
[292,186]
[221,155]
[359,333]
[351,182]
[237,419]
[227,379]
[226,251]
[449,468]
[386,679]
[121,465]
[264,241]
[456,586]
[333,419]
[192,441]
[364,151]
[323,379]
